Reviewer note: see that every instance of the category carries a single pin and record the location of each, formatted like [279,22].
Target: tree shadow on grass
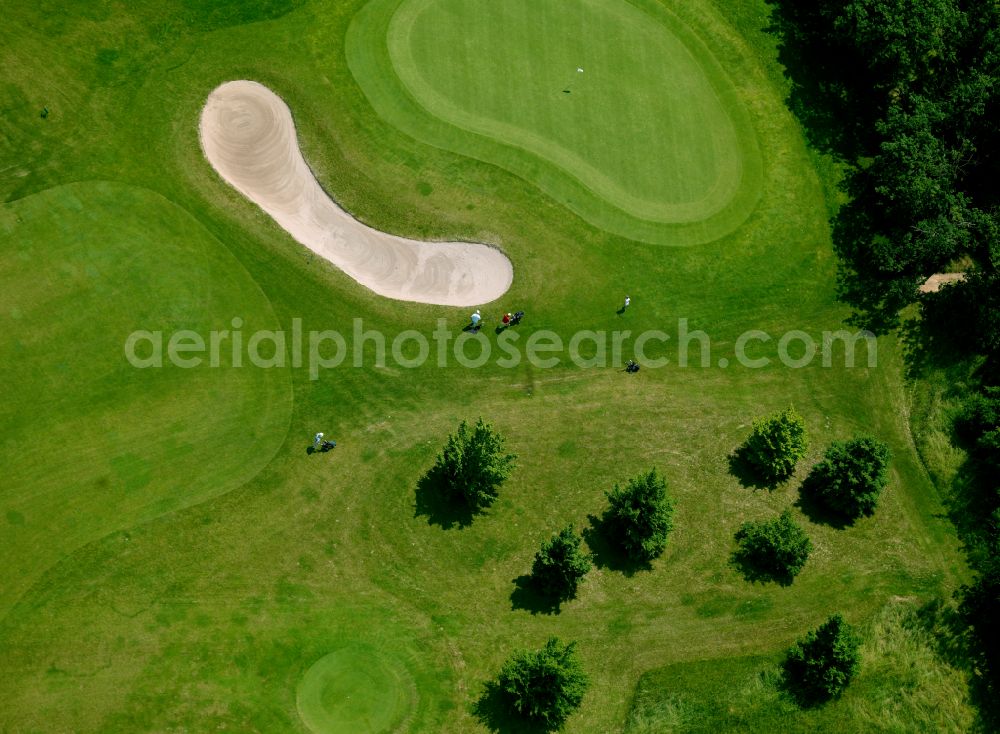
[608,554]
[494,712]
[526,596]
[954,643]
[432,502]
[818,513]
[836,119]
[800,694]
[756,571]
[745,473]
[936,342]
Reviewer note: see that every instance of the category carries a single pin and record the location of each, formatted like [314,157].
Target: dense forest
[905,95]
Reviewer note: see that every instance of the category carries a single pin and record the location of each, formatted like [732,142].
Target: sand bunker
[934,283]
[248,136]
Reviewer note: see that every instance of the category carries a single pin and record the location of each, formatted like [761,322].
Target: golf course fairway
[101,444]
[178,558]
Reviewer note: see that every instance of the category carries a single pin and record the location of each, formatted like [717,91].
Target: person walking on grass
[507,318]
[476,318]
[628,300]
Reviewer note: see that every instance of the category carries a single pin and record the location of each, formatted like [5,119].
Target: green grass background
[202,601]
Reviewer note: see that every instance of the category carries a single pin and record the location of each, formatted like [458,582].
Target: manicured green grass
[93,444]
[354,690]
[209,616]
[651,140]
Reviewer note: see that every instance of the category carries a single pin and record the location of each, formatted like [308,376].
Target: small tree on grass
[474,464]
[775,445]
[640,516]
[775,549]
[544,686]
[851,476]
[560,565]
[822,664]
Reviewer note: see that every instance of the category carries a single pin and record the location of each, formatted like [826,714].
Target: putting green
[355,690]
[650,140]
[94,444]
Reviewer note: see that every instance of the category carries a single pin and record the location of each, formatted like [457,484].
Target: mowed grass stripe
[653,142]
[92,444]
[641,124]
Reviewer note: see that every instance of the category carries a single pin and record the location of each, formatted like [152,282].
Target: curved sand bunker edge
[937,281]
[248,136]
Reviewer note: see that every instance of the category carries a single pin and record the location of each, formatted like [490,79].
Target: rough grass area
[907,683]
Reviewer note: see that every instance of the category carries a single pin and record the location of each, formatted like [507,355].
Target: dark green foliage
[903,43]
[906,219]
[851,476]
[775,445]
[544,686]
[640,516]
[980,607]
[821,665]
[907,91]
[965,317]
[772,550]
[473,465]
[560,565]
[979,423]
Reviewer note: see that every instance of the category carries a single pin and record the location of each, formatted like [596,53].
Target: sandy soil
[933,284]
[248,136]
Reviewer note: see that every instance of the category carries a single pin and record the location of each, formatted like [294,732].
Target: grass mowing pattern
[355,690]
[208,618]
[651,141]
[93,445]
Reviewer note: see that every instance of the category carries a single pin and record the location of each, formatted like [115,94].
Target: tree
[851,476]
[473,465]
[822,664]
[544,686]
[775,445]
[906,91]
[560,565]
[905,43]
[980,607]
[773,550]
[640,516]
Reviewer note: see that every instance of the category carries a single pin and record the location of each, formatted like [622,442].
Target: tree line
[906,95]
